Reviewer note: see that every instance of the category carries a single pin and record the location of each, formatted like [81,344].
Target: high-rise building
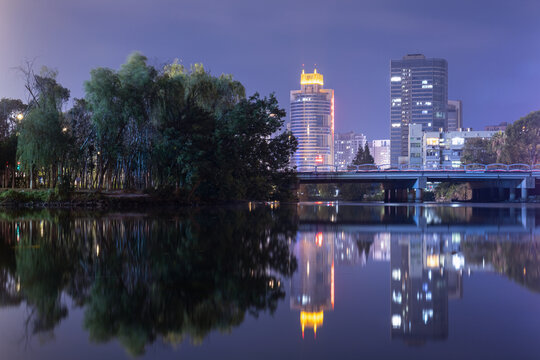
[455,115]
[380,150]
[418,95]
[312,122]
[345,148]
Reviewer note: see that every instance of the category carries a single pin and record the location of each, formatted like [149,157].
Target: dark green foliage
[188,133]
[363,156]
[519,144]
[522,141]
[449,192]
[478,151]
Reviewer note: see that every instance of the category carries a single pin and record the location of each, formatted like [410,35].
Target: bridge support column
[524,193]
[526,184]
[419,193]
[512,194]
[418,187]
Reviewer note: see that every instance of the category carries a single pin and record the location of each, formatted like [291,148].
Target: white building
[380,150]
[444,149]
[345,148]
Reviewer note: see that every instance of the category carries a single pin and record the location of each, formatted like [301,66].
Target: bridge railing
[476,167]
[519,167]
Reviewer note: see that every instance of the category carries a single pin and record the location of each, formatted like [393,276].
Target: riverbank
[50,198]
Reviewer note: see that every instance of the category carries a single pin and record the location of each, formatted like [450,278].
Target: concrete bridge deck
[488,183]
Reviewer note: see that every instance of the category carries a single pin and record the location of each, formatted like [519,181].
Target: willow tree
[120,103]
[42,141]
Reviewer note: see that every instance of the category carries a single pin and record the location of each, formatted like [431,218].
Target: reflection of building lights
[458,261]
[311,320]
[332,284]
[97,250]
[432,261]
[319,238]
[396,274]
[396,321]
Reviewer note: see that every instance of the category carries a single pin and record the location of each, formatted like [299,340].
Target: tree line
[518,144]
[170,129]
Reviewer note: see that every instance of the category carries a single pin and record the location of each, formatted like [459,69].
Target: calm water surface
[317,281]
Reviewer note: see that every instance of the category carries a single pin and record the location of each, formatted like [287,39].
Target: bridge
[491,182]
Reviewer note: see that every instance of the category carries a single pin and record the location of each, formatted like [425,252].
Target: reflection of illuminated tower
[312,287]
[312,122]
[419,292]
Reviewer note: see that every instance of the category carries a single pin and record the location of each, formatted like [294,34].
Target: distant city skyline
[493,58]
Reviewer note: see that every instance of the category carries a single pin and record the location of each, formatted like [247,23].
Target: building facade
[416,138]
[501,127]
[380,150]
[418,95]
[312,122]
[346,147]
[445,149]
[455,115]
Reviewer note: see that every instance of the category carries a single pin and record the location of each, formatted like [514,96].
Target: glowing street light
[20,116]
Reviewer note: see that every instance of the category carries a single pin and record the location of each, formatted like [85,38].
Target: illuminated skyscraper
[312,122]
[418,95]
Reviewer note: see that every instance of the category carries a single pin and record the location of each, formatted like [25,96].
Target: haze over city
[491,47]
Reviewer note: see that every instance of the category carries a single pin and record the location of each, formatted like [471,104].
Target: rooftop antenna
[315,69]
[302,68]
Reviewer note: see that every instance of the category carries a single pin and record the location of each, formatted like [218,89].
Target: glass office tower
[418,95]
[312,122]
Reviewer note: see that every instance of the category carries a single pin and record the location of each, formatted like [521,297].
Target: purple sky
[492,47]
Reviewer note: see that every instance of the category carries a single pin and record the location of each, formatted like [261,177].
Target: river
[267,280]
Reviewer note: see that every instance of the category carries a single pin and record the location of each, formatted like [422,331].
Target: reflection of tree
[140,278]
[518,260]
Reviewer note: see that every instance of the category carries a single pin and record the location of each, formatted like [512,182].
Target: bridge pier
[524,193]
[419,194]
[512,194]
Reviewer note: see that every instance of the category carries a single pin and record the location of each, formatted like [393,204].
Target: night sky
[492,47]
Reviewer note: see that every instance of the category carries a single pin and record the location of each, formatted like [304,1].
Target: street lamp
[20,116]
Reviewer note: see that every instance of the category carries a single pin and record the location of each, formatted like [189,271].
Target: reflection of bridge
[494,182]
[412,228]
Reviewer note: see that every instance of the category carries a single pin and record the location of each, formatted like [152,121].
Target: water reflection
[429,249]
[312,289]
[140,278]
[175,278]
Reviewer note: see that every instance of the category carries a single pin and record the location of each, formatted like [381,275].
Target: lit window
[428,103]
[424,112]
[424,82]
[432,141]
[427,86]
[396,274]
[396,125]
[458,141]
[396,100]
[395,78]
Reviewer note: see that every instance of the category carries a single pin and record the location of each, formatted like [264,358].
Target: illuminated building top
[311,79]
